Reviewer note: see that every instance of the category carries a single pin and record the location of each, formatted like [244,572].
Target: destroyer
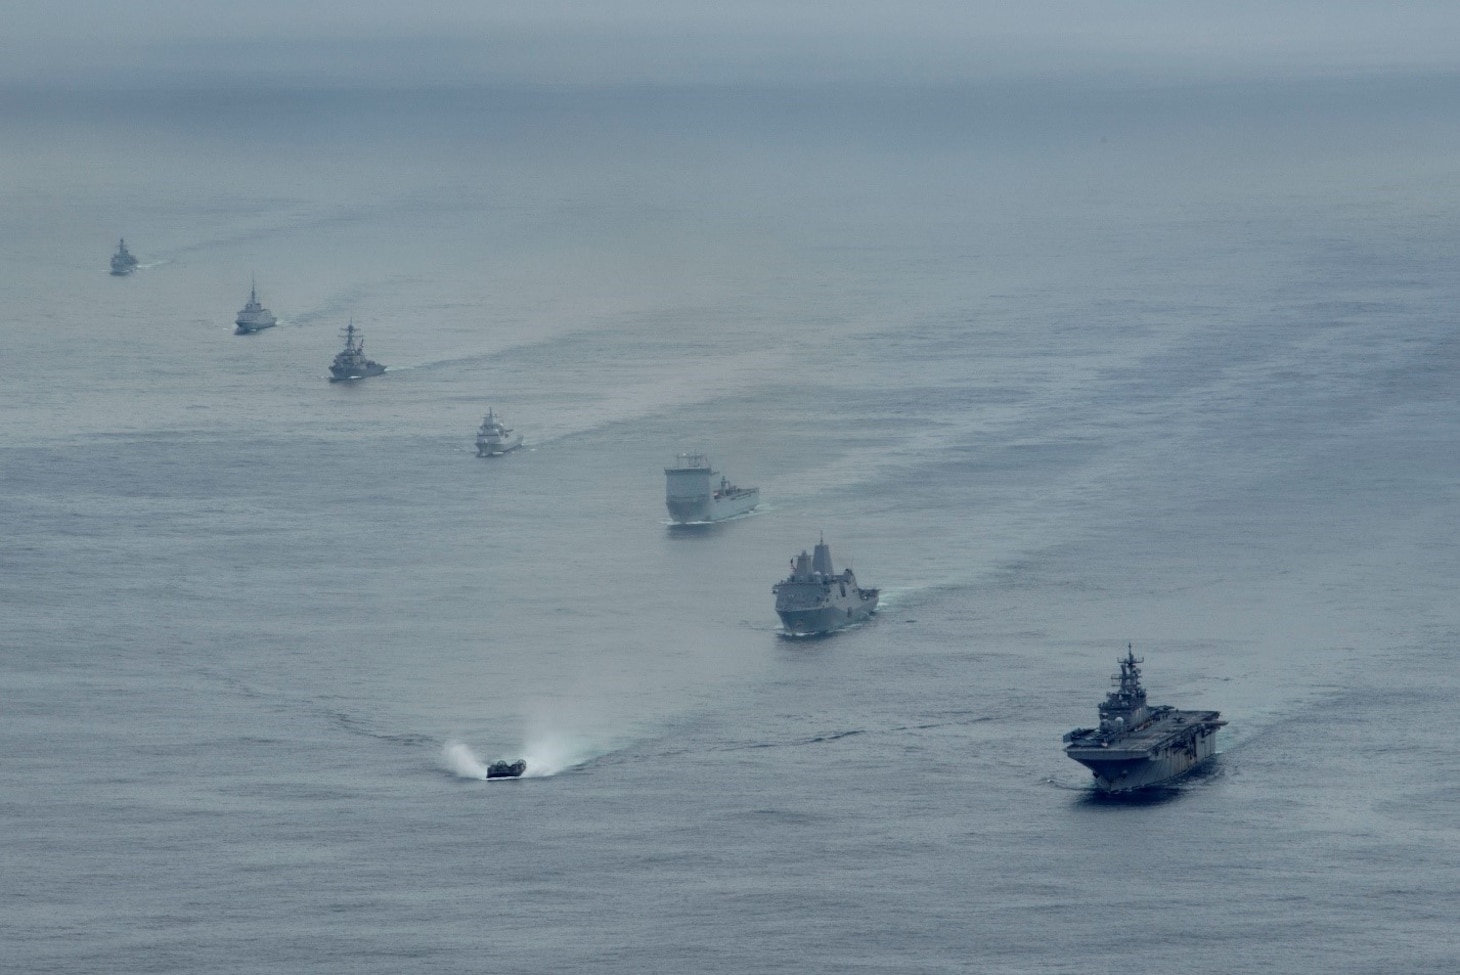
[506,770]
[1137,746]
[814,599]
[493,438]
[254,317]
[692,501]
[123,261]
[350,362]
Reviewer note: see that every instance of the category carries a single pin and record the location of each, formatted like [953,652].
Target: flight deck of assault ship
[814,599]
[254,317]
[692,500]
[1137,746]
[350,362]
[123,262]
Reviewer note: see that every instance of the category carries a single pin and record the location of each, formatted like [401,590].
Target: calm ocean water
[1058,370]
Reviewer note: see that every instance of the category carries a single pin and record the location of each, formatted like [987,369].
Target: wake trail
[546,755]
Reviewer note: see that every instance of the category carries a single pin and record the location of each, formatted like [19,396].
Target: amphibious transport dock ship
[254,317]
[123,262]
[350,362]
[692,500]
[1137,746]
[814,599]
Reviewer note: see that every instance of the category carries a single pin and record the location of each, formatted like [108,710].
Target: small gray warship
[691,499]
[814,599]
[494,438]
[254,317]
[1137,746]
[350,362]
[123,261]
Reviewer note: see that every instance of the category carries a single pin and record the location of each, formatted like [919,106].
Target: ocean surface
[1060,367]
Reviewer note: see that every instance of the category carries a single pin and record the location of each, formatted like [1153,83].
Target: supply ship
[1137,746]
[814,599]
[350,362]
[693,501]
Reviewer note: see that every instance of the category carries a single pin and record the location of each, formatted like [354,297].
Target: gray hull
[806,622]
[1172,744]
[345,375]
[1127,774]
[498,449]
[701,510]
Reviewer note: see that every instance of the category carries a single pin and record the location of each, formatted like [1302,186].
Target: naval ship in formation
[1137,746]
[254,317]
[350,362]
[691,499]
[123,261]
[494,438]
[814,599]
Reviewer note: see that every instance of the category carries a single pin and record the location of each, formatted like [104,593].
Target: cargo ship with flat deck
[1138,746]
[693,499]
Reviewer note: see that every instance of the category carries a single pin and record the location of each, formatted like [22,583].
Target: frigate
[693,500]
[350,362]
[506,770]
[1137,746]
[123,262]
[494,438]
[254,317]
[814,599]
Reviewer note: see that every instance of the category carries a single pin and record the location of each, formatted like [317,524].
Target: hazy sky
[571,41]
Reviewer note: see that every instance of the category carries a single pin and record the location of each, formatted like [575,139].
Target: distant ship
[254,317]
[506,770]
[1137,746]
[123,262]
[690,498]
[350,362]
[814,599]
[493,438]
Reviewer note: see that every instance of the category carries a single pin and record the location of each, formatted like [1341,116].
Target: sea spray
[459,759]
[548,753]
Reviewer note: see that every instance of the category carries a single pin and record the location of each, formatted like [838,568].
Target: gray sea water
[1059,367]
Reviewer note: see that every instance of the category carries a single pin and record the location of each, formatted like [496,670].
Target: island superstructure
[814,599]
[1138,746]
[254,316]
[691,497]
[350,362]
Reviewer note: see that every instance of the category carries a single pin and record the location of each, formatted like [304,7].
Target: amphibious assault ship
[1137,746]
[350,362]
[123,262]
[814,599]
[692,501]
[494,438]
[254,317]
